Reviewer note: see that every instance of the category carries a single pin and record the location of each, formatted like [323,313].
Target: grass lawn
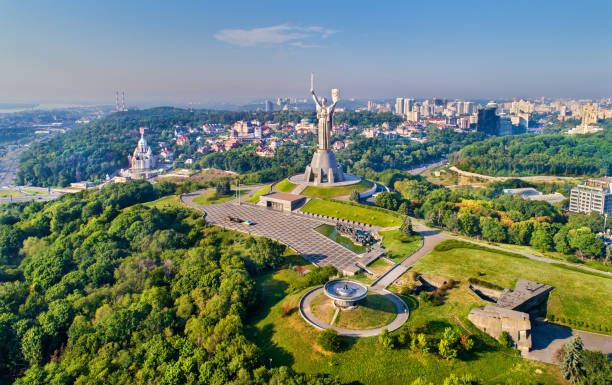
[167,201]
[374,311]
[255,197]
[547,254]
[359,213]
[9,193]
[380,266]
[330,192]
[323,308]
[577,295]
[291,341]
[400,246]
[33,192]
[285,186]
[211,197]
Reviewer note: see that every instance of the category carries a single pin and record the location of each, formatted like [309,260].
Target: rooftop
[523,292]
[284,196]
[499,312]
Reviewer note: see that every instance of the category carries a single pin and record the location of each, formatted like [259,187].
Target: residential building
[592,195]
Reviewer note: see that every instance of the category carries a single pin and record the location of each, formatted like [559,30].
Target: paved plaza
[294,230]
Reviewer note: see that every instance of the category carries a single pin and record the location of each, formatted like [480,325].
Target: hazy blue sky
[230,50]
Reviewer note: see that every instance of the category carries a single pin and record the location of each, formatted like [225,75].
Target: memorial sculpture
[324,169]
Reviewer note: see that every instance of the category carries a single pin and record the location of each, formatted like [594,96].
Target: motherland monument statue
[324,169]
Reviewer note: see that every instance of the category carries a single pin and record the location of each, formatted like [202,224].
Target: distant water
[6,108]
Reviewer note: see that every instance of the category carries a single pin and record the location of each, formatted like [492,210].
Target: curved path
[400,318]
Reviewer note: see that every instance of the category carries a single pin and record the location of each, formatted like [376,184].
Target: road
[533,178]
[426,167]
[8,167]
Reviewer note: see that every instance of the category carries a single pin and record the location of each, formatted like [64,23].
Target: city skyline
[72,52]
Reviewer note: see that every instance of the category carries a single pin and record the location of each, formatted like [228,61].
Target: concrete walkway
[549,338]
[430,239]
[400,318]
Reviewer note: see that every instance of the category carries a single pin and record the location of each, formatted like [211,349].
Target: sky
[236,51]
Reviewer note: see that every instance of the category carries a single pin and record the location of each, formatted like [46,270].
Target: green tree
[493,230]
[32,345]
[571,366]
[561,242]
[596,367]
[354,197]
[406,227]
[469,224]
[519,233]
[404,208]
[223,188]
[330,340]
[387,200]
[542,240]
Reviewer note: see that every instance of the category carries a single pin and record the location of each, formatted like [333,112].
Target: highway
[8,172]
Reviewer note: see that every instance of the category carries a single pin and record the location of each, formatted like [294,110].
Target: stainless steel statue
[324,168]
[325,114]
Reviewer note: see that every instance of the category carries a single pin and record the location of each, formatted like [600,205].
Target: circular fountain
[345,292]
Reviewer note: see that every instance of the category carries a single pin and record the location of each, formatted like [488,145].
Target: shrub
[505,340]
[354,197]
[286,309]
[386,339]
[330,340]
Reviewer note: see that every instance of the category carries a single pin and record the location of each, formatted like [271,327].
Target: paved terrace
[294,230]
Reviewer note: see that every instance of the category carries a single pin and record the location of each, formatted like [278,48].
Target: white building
[592,195]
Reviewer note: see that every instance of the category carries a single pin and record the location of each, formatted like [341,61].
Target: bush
[286,309]
[354,197]
[505,340]
[386,339]
[223,188]
[330,340]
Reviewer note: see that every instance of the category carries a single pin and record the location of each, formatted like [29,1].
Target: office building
[592,195]
[488,121]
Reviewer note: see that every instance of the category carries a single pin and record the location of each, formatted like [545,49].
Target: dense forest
[98,287]
[525,155]
[380,154]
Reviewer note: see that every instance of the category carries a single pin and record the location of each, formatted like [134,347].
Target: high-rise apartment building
[268,106]
[370,105]
[408,105]
[592,195]
[399,106]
